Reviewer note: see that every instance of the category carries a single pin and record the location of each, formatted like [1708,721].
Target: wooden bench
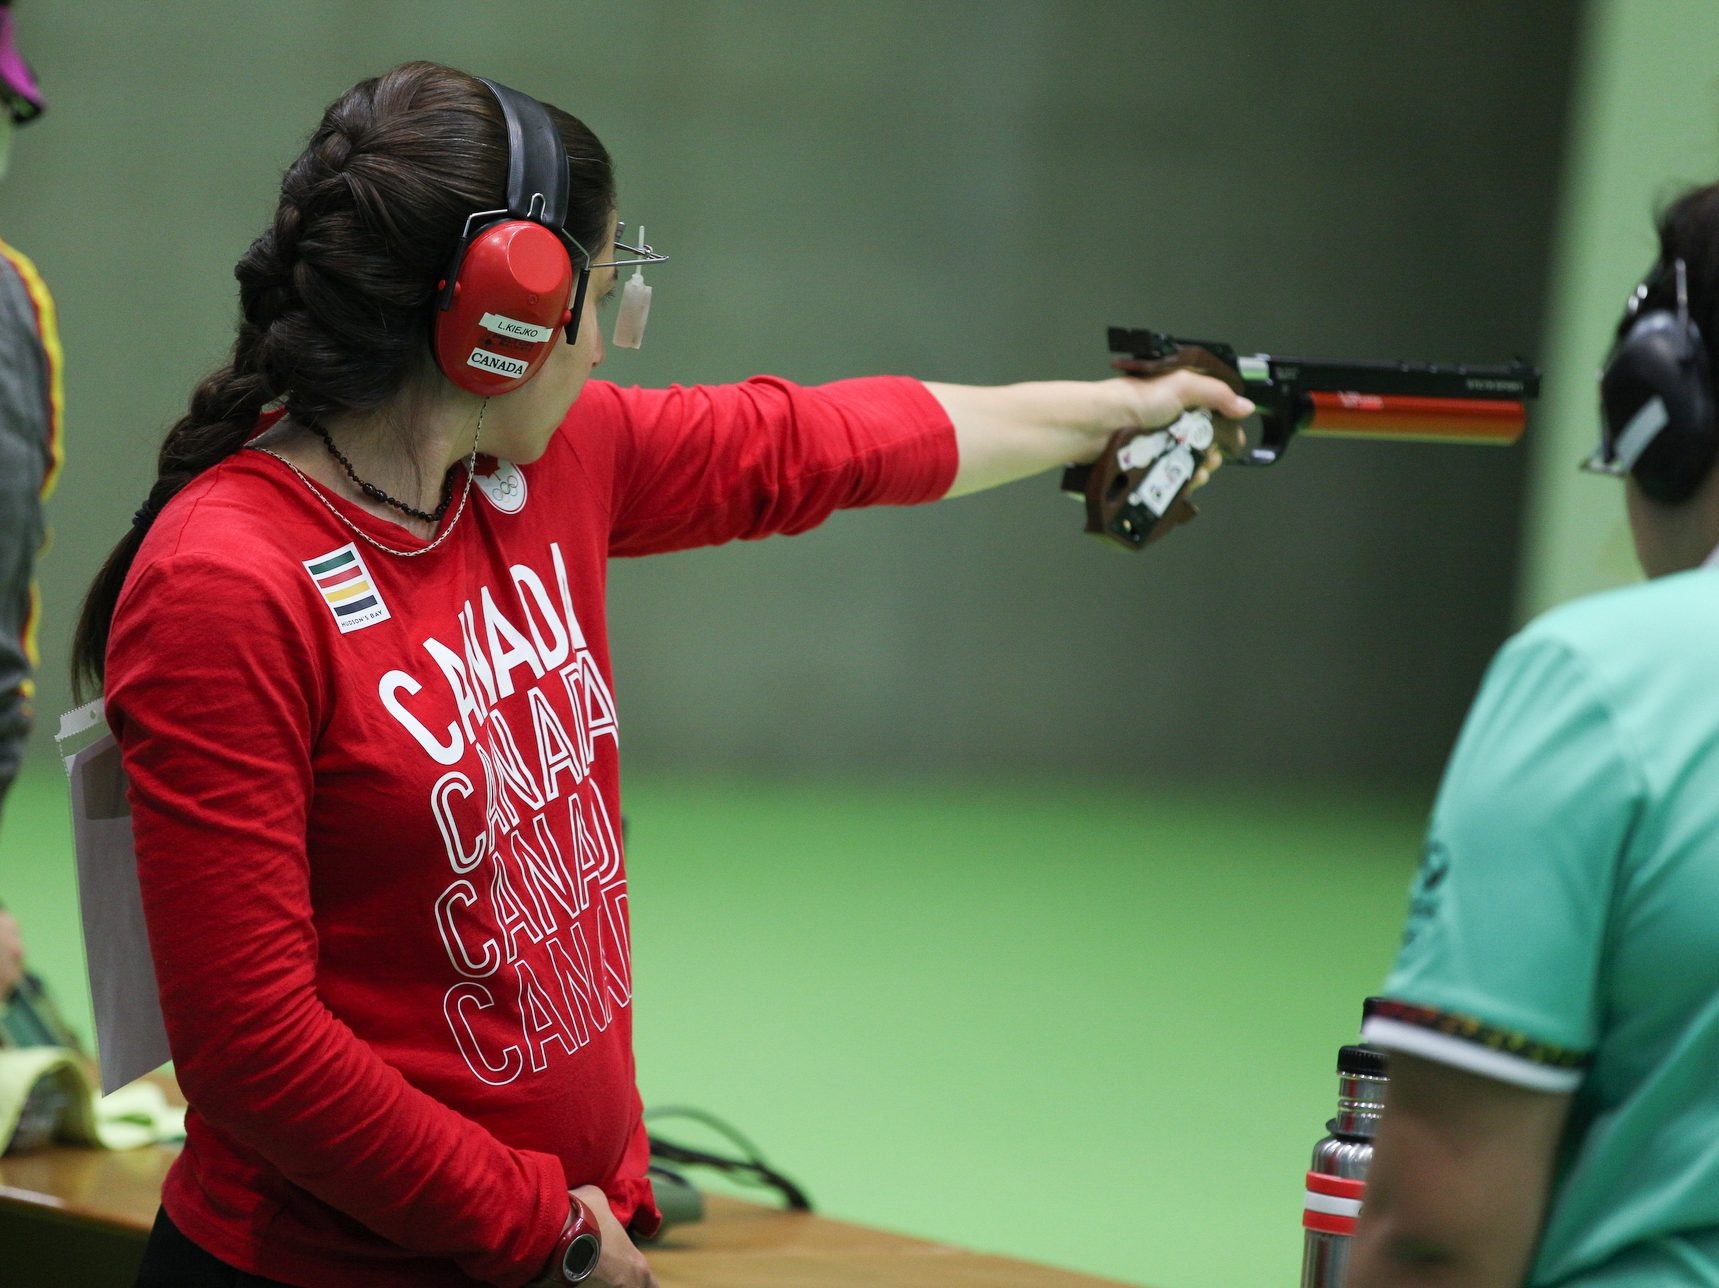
[79,1217]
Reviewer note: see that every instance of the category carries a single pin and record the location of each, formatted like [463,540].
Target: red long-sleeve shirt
[375,802]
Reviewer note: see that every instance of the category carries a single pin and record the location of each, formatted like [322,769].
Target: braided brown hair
[336,296]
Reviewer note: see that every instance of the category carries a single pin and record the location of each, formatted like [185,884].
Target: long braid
[335,297]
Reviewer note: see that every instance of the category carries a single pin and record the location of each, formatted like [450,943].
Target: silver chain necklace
[465,492]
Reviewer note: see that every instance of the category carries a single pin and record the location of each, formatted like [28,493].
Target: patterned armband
[1466,1043]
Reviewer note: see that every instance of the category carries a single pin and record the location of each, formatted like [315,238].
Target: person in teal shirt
[1553,1015]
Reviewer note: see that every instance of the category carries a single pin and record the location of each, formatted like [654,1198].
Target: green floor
[1087,1025]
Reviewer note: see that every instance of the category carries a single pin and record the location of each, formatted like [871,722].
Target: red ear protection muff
[516,278]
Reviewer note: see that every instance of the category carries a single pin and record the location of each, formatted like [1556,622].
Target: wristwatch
[577,1251]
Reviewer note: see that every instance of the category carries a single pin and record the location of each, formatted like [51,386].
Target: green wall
[968,191]
[1645,126]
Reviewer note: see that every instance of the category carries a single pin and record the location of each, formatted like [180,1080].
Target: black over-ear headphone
[517,277]
[1656,394]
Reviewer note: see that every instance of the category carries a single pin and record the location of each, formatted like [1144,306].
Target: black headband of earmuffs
[537,180]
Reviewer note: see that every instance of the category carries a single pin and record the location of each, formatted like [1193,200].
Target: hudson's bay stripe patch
[345,585]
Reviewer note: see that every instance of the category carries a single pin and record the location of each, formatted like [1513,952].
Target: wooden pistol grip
[1108,487]
[1188,357]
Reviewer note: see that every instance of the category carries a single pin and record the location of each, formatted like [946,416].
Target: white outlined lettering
[546,876]
[510,765]
[542,1020]
[457,1005]
[585,1003]
[618,965]
[557,753]
[598,852]
[511,914]
[553,900]
[551,652]
[463,892]
[447,787]
[500,817]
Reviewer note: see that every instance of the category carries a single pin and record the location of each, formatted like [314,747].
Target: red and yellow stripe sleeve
[53,449]
[48,327]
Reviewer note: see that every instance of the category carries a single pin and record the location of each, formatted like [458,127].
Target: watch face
[581,1258]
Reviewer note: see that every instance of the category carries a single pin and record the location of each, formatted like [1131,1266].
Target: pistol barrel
[1490,421]
[1131,499]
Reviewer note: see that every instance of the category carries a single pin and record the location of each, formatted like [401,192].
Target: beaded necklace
[465,494]
[377,494]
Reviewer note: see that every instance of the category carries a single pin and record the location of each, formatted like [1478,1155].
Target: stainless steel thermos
[1337,1181]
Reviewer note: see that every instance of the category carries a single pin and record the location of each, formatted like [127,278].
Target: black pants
[172,1261]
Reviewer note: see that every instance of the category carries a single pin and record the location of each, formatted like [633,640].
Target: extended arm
[700,465]
[1008,432]
[1456,1193]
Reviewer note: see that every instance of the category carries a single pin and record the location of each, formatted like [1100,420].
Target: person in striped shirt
[30,404]
[30,411]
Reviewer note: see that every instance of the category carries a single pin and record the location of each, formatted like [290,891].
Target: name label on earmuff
[485,360]
[503,325]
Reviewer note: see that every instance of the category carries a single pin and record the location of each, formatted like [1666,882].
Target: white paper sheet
[131,1039]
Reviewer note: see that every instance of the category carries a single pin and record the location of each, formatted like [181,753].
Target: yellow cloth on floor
[134,1115]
